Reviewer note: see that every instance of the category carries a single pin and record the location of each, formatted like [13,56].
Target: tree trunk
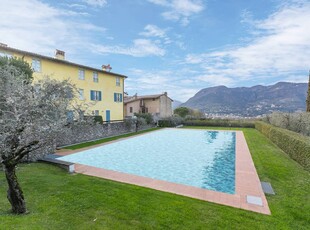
[15,193]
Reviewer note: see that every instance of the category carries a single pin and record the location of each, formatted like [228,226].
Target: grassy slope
[57,200]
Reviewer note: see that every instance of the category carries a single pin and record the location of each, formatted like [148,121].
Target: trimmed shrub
[98,119]
[141,121]
[297,122]
[170,122]
[295,145]
[146,116]
[221,123]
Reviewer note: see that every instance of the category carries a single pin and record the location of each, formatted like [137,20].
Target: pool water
[204,159]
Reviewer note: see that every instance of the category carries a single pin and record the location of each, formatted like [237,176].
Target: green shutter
[92,95]
[99,95]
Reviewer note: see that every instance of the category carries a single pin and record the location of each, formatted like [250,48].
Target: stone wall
[85,132]
[79,133]
[48,148]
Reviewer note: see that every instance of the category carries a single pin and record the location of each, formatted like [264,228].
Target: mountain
[176,104]
[250,101]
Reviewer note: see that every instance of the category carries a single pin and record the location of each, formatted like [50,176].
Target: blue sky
[178,46]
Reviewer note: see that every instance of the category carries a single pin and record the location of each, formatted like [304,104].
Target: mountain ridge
[250,101]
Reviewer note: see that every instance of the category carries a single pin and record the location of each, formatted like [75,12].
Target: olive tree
[30,116]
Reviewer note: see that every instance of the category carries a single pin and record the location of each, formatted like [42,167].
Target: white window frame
[36,65]
[95,77]
[81,94]
[118,97]
[96,95]
[96,112]
[118,81]
[81,74]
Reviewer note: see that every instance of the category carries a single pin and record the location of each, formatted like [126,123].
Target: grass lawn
[58,200]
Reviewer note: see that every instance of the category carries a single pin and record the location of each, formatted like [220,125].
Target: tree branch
[20,153]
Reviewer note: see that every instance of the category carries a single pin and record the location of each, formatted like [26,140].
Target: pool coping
[247,183]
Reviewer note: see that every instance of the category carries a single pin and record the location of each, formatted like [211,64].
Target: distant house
[159,105]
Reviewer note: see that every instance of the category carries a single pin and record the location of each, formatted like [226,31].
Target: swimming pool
[199,158]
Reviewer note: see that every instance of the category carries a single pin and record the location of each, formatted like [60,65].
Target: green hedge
[221,123]
[295,145]
[165,123]
[146,116]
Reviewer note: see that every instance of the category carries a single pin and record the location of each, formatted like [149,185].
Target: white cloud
[214,80]
[180,10]
[96,3]
[156,32]
[153,31]
[160,2]
[76,6]
[38,27]
[139,48]
[280,48]
[157,81]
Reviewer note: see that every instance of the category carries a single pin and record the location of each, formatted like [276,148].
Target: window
[81,74]
[81,94]
[144,110]
[118,97]
[118,81]
[96,112]
[95,95]
[36,65]
[130,109]
[95,76]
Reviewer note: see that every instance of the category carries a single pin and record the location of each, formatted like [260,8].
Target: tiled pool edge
[247,181]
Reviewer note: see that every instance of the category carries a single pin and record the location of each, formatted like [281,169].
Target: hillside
[176,104]
[250,101]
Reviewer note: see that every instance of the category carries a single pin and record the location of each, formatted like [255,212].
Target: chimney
[106,67]
[60,54]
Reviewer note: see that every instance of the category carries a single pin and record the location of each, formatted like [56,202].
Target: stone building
[159,105]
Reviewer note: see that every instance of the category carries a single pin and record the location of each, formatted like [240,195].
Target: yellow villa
[101,89]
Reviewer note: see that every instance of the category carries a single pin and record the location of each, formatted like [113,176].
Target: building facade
[159,105]
[102,91]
